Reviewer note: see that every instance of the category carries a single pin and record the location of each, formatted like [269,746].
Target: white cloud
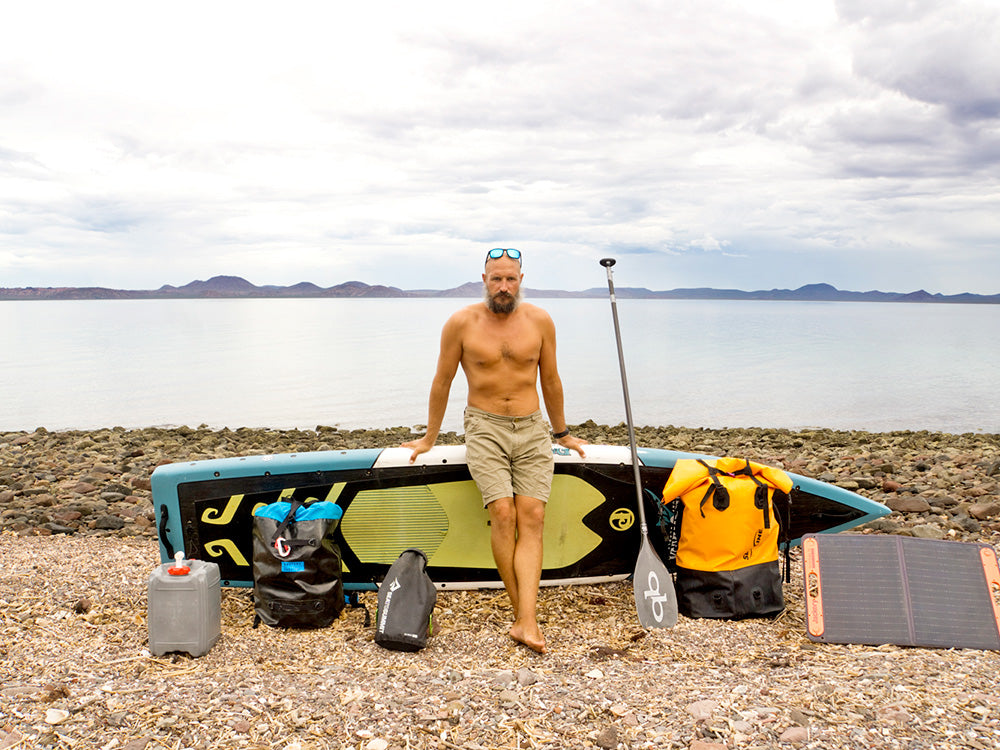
[393,142]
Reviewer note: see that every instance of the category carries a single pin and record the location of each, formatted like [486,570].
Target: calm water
[368,363]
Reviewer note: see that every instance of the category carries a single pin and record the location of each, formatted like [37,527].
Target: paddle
[655,600]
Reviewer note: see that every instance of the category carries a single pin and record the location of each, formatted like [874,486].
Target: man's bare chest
[520,349]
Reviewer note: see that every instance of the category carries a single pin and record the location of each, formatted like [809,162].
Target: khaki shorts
[508,456]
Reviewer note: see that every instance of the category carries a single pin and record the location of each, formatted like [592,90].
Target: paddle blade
[655,600]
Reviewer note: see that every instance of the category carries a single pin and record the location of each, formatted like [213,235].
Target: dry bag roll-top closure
[734,516]
[297,569]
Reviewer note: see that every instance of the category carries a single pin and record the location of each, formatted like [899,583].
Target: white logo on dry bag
[653,592]
[388,602]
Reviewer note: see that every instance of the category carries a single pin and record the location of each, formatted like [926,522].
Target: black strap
[780,501]
[354,603]
[717,491]
[164,538]
[759,494]
[290,519]
[783,502]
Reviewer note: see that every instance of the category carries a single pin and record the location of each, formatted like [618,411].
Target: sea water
[360,363]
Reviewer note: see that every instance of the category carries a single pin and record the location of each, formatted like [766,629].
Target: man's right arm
[448,360]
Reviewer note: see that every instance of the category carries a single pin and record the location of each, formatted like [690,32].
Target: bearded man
[506,347]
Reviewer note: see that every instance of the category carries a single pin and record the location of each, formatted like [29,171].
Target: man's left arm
[552,389]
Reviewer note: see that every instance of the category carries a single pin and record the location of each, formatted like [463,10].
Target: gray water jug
[185,608]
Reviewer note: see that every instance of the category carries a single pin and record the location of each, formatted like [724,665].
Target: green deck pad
[380,524]
[874,590]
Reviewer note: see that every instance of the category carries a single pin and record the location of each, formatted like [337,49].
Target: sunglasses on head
[499,252]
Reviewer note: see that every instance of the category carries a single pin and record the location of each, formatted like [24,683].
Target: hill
[235,287]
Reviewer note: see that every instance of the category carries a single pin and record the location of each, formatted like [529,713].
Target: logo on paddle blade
[653,593]
[621,519]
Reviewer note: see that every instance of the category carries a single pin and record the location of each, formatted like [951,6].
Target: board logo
[621,519]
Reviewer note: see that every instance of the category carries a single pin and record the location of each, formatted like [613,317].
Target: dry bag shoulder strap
[759,494]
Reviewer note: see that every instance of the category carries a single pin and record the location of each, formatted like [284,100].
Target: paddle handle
[608,263]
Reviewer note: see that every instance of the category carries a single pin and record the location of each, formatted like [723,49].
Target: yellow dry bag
[733,516]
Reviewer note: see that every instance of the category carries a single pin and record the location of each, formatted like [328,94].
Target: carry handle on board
[653,588]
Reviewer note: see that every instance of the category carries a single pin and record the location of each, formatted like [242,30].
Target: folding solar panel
[878,589]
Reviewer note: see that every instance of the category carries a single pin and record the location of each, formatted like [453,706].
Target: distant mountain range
[229,287]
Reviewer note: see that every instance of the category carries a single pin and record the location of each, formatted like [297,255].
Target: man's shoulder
[536,313]
[465,316]
[469,312]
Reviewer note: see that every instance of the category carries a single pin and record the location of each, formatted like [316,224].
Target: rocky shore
[77,544]
[97,482]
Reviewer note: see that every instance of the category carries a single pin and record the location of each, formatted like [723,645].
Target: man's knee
[530,513]
[503,513]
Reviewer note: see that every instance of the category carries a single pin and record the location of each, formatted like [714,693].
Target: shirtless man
[505,347]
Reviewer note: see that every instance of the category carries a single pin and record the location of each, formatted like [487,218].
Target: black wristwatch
[560,435]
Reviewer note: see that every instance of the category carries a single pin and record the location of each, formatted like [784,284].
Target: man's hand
[573,443]
[419,446]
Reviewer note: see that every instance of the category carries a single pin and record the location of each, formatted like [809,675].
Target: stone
[795,735]
[928,531]
[969,525]
[798,717]
[141,483]
[982,511]
[907,504]
[607,738]
[56,528]
[526,677]
[702,710]
[56,716]
[504,677]
[109,523]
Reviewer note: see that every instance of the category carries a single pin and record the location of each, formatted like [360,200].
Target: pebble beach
[77,543]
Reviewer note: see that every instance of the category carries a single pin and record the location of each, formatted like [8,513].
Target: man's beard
[502,303]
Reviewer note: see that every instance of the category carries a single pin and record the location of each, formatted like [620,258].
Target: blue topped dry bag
[297,571]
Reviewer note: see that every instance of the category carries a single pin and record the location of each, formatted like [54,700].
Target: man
[505,347]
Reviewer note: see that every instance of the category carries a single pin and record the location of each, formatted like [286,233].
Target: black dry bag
[297,572]
[406,599]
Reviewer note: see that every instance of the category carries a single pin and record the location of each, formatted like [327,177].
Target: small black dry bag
[297,571]
[406,599]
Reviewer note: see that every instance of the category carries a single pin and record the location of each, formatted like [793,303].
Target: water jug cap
[179,568]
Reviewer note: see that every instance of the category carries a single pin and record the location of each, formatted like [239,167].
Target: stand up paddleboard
[591,529]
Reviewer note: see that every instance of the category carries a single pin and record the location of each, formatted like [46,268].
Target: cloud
[317,140]
[941,54]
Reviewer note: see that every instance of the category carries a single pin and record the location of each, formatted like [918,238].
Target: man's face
[502,285]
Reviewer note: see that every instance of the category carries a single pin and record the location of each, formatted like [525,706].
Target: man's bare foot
[530,637]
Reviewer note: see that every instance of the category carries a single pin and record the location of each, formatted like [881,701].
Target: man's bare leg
[503,540]
[517,527]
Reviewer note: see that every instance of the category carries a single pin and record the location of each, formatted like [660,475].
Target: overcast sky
[732,144]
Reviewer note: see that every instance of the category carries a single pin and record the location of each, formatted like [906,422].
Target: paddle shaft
[607,263]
